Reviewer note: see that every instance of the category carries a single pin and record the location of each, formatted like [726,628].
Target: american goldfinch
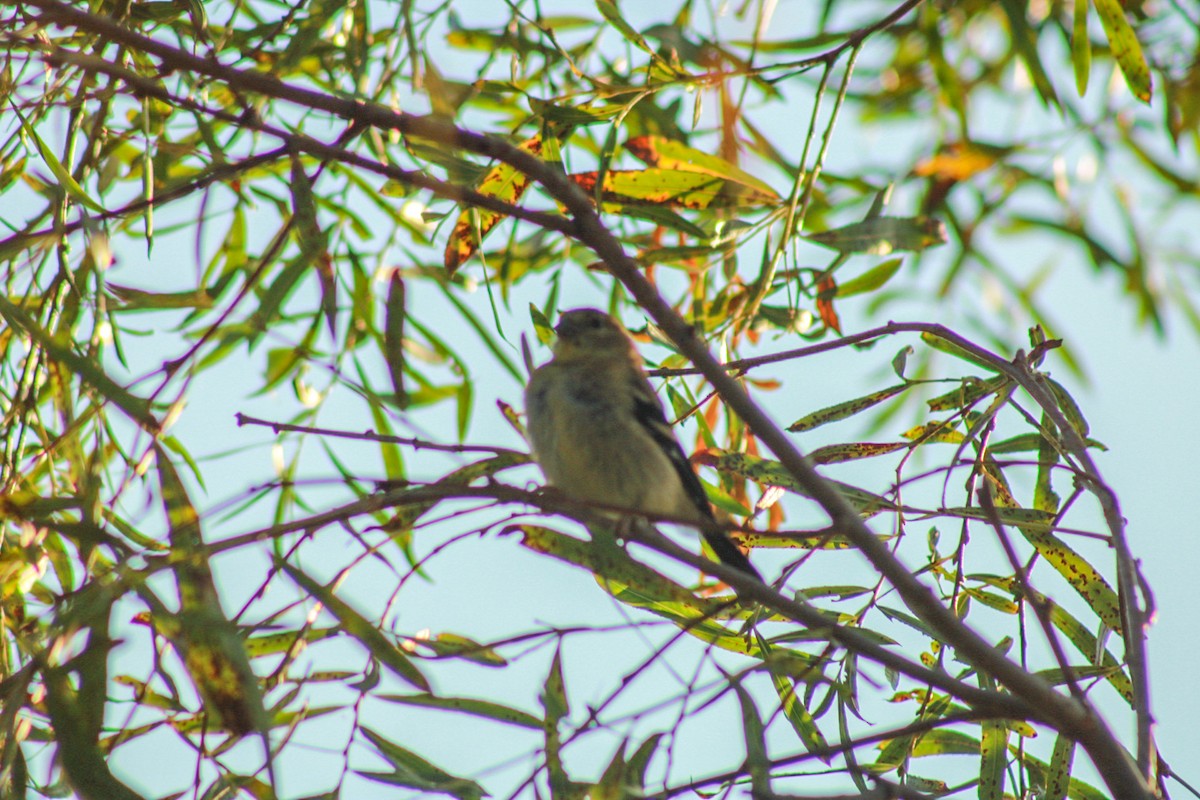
[600,435]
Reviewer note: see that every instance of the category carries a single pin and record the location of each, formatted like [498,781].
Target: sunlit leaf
[673,188]
[658,151]
[503,182]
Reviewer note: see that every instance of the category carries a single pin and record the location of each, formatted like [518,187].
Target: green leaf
[1069,408]
[412,771]
[1081,47]
[554,700]
[610,12]
[993,755]
[59,349]
[483,709]
[659,151]
[801,719]
[61,173]
[1058,776]
[758,760]
[409,513]
[272,644]
[393,337]
[846,409]
[452,645]
[612,565]
[673,188]
[883,235]
[968,392]
[853,451]
[1024,39]
[872,279]
[1078,572]
[946,346]
[1086,643]
[1125,48]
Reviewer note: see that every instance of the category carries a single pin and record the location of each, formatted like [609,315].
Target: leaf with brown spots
[675,188]
[657,151]
[504,182]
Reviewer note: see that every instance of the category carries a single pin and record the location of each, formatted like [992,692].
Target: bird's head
[584,332]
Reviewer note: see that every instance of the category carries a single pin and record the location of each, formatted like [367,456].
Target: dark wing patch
[649,413]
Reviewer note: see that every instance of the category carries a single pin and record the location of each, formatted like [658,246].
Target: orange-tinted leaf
[826,291]
[504,182]
[959,161]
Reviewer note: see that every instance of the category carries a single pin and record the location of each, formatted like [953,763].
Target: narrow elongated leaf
[1081,47]
[882,236]
[971,390]
[853,451]
[846,409]
[413,771]
[1086,643]
[61,173]
[393,337]
[659,151]
[1024,39]
[452,645]
[801,719]
[85,766]
[59,349]
[208,642]
[1058,776]
[673,188]
[360,628]
[610,563]
[612,14]
[1074,568]
[1125,48]
[483,709]
[401,524]
[872,279]
[993,756]
[938,343]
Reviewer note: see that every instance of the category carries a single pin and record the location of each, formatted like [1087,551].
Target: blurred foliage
[166,220]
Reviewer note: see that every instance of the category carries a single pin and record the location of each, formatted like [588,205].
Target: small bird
[600,435]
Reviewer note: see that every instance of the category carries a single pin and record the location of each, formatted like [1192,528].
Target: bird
[600,435]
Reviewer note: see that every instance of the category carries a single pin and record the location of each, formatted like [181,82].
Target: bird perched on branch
[600,435]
